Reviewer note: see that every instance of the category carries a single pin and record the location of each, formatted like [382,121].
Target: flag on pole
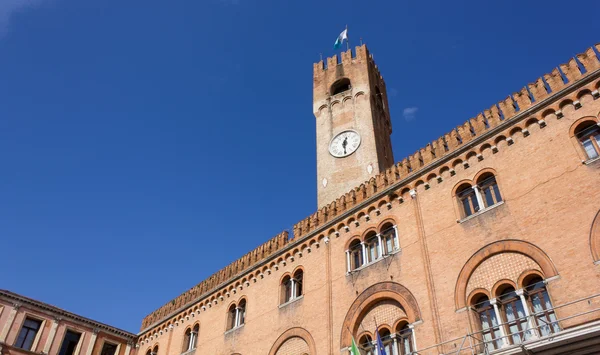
[380,348]
[354,348]
[343,36]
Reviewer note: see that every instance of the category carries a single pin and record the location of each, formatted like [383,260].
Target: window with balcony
[488,322]
[404,339]
[541,306]
[513,314]
[28,332]
[386,339]
[365,345]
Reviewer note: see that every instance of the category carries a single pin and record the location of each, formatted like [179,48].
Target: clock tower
[353,123]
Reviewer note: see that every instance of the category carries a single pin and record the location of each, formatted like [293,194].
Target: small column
[530,321]
[380,245]
[396,241]
[79,344]
[478,196]
[349,267]
[494,303]
[293,290]
[364,252]
[237,317]
[413,336]
[394,345]
[51,335]
[128,348]
[9,322]
[92,342]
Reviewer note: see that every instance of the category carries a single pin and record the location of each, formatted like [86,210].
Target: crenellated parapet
[214,281]
[526,98]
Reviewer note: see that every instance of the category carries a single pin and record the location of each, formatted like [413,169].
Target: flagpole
[347,39]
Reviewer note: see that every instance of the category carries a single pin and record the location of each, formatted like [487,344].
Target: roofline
[16,298]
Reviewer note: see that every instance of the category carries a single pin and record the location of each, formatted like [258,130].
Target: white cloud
[10,7]
[410,113]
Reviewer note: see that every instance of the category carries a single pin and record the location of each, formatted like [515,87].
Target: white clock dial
[344,143]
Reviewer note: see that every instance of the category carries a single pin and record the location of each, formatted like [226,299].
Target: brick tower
[353,123]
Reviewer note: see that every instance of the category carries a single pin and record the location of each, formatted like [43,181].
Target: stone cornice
[54,311]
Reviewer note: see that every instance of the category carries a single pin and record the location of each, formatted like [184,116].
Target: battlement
[361,55]
[214,281]
[526,98]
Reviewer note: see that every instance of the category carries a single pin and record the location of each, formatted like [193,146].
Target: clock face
[344,144]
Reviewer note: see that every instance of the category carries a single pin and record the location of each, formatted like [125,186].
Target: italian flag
[354,348]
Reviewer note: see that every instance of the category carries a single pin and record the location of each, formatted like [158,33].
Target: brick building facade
[486,240]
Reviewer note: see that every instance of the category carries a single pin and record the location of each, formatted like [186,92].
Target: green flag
[354,348]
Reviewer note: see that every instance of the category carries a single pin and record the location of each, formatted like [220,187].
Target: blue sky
[146,144]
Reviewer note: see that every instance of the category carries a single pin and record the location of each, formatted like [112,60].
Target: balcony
[575,330]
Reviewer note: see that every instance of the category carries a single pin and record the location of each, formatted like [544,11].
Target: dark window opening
[340,86]
[28,332]
[108,349]
[69,343]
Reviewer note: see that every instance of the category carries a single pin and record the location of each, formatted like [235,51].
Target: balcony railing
[577,317]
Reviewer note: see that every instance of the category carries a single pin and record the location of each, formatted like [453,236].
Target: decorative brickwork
[294,341]
[540,259]
[389,292]
[293,346]
[505,266]
[385,312]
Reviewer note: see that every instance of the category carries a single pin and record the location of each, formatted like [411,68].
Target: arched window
[389,238]
[231,317]
[355,255]
[291,287]
[488,322]
[236,315]
[588,135]
[489,189]
[241,313]
[467,199]
[298,283]
[386,339]
[187,340]
[475,198]
[149,352]
[194,337]
[365,344]
[514,315]
[541,306]
[372,243]
[340,86]
[404,338]
[154,351]
[286,289]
